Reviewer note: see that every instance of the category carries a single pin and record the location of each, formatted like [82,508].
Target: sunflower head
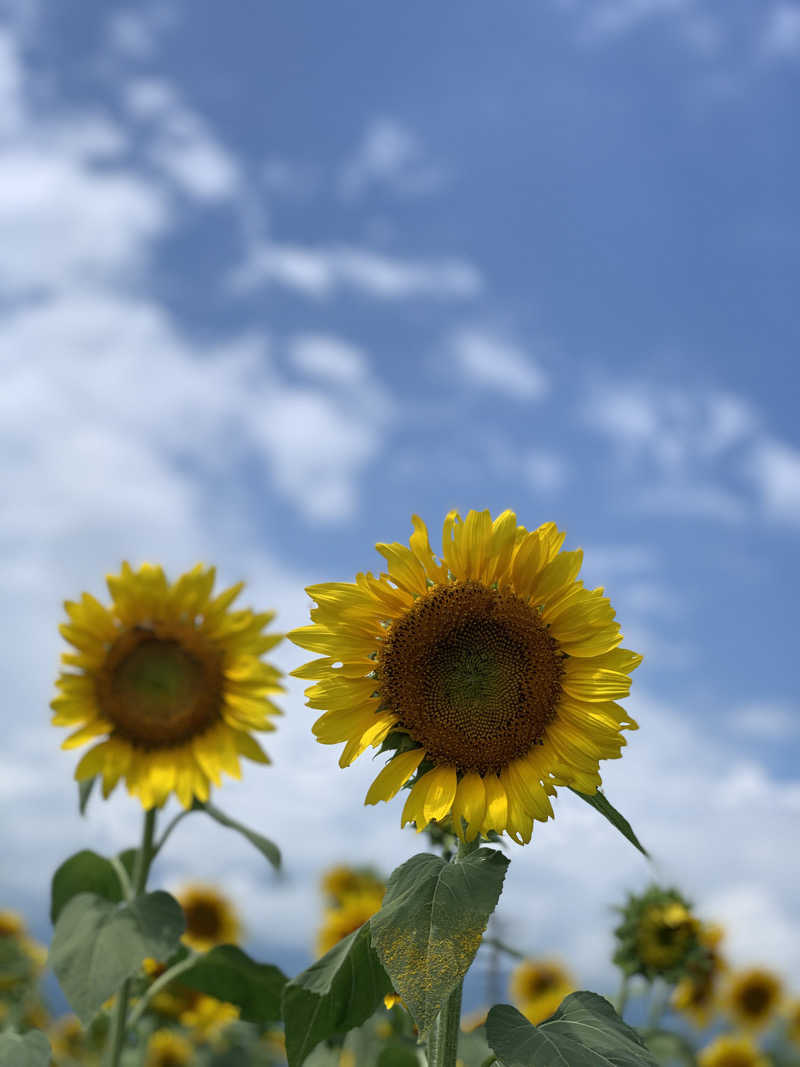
[753,997]
[658,936]
[170,680]
[697,994]
[207,1017]
[730,1050]
[211,919]
[67,1038]
[341,881]
[537,987]
[351,912]
[489,674]
[167,1048]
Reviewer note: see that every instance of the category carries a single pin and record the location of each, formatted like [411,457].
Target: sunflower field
[484,677]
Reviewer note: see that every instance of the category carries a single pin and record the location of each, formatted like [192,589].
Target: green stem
[159,984]
[622,998]
[141,869]
[170,827]
[501,946]
[443,1037]
[658,1004]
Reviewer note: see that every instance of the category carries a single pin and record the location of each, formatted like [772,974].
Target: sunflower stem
[170,827]
[658,1004]
[622,997]
[160,982]
[443,1037]
[141,869]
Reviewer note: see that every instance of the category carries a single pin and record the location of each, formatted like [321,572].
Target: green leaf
[335,994]
[229,974]
[85,872]
[31,1049]
[600,802]
[263,844]
[85,788]
[97,944]
[667,1047]
[584,1032]
[431,923]
[398,1056]
[128,860]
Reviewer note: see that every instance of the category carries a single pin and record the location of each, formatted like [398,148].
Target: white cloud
[781,34]
[390,156]
[489,362]
[181,145]
[699,501]
[328,358]
[767,721]
[774,469]
[320,271]
[134,33]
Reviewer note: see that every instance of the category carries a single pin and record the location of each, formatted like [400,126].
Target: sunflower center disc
[755,999]
[157,692]
[472,674]
[202,919]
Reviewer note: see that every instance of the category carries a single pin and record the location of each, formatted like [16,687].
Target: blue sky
[274,277]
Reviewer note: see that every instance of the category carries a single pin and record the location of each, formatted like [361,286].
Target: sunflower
[210,917]
[753,997]
[793,1022]
[492,674]
[171,679]
[728,1051]
[537,987]
[166,1048]
[207,1017]
[341,881]
[658,936]
[351,913]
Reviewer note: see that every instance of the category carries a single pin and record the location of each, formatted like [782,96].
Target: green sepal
[229,974]
[600,802]
[431,923]
[585,1031]
[31,1049]
[266,847]
[98,944]
[85,872]
[337,993]
[85,788]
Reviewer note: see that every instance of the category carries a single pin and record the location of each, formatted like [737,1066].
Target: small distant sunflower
[351,913]
[492,674]
[753,997]
[166,1048]
[537,987]
[207,1017]
[729,1051]
[341,881]
[171,679]
[658,936]
[211,919]
[793,1022]
[67,1038]
[696,995]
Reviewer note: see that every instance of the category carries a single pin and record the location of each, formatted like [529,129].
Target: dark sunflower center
[756,999]
[472,674]
[542,982]
[157,692]
[203,919]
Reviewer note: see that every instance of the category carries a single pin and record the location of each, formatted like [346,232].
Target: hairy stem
[141,869]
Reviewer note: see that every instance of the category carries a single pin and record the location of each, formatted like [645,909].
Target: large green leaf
[31,1049]
[429,928]
[338,992]
[263,844]
[600,802]
[667,1047]
[229,974]
[584,1032]
[97,944]
[85,872]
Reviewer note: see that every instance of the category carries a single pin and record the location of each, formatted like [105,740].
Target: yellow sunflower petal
[394,775]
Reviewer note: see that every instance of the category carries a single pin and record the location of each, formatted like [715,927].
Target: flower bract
[489,673]
[171,681]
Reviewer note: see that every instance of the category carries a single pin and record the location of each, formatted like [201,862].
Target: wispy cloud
[487,361]
[767,720]
[780,37]
[774,468]
[390,156]
[319,271]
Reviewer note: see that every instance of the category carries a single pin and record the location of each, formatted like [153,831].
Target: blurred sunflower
[492,674]
[537,987]
[753,997]
[171,679]
[793,1022]
[67,1039]
[211,919]
[207,1017]
[350,913]
[658,936]
[697,994]
[341,881]
[167,1048]
[729,1051]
